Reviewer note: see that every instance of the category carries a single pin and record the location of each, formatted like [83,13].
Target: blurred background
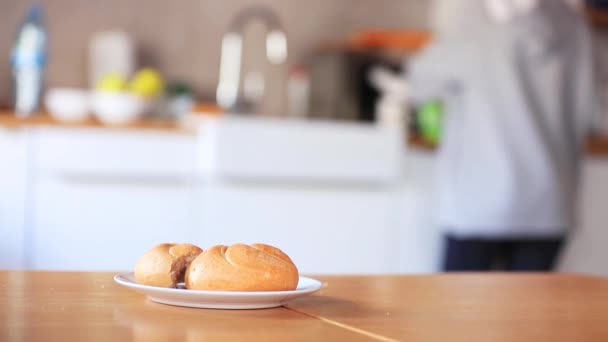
[128,123]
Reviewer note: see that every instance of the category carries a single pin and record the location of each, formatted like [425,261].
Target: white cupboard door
[105,224]
[421,236]
[13,167]
[586,250]
[323,230]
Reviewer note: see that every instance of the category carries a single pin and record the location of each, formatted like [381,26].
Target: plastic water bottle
[28,59]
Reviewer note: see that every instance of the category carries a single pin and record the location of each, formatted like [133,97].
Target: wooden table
[47,306]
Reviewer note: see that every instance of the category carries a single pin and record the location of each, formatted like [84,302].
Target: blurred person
[517,81]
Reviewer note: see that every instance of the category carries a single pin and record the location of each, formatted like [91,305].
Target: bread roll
[242,268]
[165,265]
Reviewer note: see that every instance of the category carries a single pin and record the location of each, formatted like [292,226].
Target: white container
[117,108]
[111,52]
[67,104]
[298,93]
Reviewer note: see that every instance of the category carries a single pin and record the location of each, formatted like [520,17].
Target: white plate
[219,299]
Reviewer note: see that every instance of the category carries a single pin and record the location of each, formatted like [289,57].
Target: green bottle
[429,120]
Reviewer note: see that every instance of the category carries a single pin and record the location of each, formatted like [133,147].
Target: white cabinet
[324,229]
[99,224]
[265,149]
[328,229]
[420,236]
[103,197]
[13,175]
[587,250]
[323,192]
[113,152]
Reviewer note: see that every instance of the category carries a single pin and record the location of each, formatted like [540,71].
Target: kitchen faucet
[228,93]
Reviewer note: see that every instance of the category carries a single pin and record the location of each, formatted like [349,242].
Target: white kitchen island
[95,198]
[338,198]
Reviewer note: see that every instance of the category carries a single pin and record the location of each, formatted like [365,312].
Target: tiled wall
[182,37]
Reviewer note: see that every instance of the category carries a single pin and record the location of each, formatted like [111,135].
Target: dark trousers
[509,255]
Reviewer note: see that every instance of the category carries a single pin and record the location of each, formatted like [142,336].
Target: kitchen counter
[9,120]
[596,146]
[465,307]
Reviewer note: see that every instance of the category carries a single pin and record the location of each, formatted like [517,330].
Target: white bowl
[117,108]
[68,104]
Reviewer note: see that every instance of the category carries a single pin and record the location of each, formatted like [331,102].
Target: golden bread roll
[241,267]
[165,265]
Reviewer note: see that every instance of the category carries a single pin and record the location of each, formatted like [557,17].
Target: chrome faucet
[228,95]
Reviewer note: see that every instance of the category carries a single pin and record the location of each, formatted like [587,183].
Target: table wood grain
[79,306]
[47,306]
[467,307]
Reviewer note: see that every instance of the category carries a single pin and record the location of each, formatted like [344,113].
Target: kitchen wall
[182,38]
